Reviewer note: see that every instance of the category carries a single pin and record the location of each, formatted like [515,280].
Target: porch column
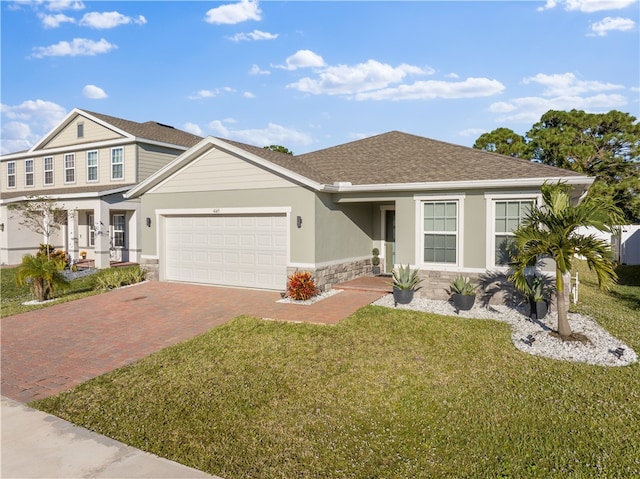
[133,236]
[102,235]
[72,234]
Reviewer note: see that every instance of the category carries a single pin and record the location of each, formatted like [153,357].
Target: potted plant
[538,296]
[83,254]
[463,293]
[405,281]
[375,261]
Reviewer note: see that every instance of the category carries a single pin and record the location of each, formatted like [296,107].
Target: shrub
[301,286]
[48,251]
[112,278]
[42,274]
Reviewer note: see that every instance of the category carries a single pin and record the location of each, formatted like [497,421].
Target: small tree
[550,231]
[42,274]
[279,149]
[40,214]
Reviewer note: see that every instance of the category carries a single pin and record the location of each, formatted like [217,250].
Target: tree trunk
[564,330]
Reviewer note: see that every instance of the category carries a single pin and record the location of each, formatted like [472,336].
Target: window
[118,231]
[92,230]
[48,170]
[508,216]
[92,166]
[117,163]
[440,229]
[70,168]
[11,174]
[80,130]
[28,173]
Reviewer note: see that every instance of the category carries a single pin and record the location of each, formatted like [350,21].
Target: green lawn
[385,393]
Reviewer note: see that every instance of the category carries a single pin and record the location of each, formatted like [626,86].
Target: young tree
[279,149]
[40,214]
[42,274]
[550,231]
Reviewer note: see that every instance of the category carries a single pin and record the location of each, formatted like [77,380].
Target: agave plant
[463,285]
[405,278]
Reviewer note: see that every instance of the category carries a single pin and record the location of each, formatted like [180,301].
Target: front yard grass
[385,393]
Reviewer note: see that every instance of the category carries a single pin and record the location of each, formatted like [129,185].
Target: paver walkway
[55,348]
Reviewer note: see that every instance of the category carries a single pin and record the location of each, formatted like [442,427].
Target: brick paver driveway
[52,349]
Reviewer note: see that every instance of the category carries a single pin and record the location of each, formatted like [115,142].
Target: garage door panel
[247,251]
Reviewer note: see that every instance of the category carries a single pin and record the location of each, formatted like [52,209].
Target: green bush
[112,278]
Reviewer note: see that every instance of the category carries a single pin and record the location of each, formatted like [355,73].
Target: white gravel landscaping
[599,350]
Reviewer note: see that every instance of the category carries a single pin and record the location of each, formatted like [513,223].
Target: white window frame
[11,175]
[29,173]
[69,171]
[491,200]
[48,170]
[91,237]
[91,167]
[122,230]
[420,201]
[121,163]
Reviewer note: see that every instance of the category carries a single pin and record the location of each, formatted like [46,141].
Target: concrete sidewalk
[39,445]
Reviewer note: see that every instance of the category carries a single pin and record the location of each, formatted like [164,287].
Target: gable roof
[150,131]
[389,161]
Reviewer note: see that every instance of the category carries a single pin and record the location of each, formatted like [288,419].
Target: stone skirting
[152,267]
[328,276]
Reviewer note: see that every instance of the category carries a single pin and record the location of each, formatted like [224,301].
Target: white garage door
[232,250]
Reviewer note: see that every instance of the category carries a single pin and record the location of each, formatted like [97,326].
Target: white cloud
[303,59]
[94,92]
[54,21]
[58,5]
[248,94]
[566,84]
[27,123]
[588,6]
[77,47]
[201,94]
[429,90]
[255,70]
[104,20]
[472,132]
[348,80]
[254,35]
[608,24]
[273,134]
[234,13]
[192,128]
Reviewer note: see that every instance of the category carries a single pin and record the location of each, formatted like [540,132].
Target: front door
[389,240]
[118,237]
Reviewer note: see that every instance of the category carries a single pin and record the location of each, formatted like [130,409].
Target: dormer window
[80,130]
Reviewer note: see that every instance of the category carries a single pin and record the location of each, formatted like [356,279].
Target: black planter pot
[402,296]
[375,269]
[541,308]
[463,302]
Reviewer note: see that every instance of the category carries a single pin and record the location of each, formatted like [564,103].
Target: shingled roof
[150,130]
[397,157]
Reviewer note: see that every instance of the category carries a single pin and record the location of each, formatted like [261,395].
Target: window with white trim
[28,173]
[92,230]
[70,168]
[11,174]
[80,130]
[508,215]
[48,170]
[440,232]
[118,231]
[117,163]
[92,166]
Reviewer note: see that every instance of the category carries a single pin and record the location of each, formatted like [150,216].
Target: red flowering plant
[301,286]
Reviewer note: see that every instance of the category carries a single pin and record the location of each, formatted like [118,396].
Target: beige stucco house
[227,213]
[86,164]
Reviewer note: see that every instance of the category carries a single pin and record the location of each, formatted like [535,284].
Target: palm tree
[550,231]
[42,274]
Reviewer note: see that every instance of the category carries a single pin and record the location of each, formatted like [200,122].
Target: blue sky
[308,75]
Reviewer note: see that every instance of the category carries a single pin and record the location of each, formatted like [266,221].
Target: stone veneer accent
[328,276]
[152,267]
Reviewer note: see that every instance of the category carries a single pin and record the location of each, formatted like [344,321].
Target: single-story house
[227,213]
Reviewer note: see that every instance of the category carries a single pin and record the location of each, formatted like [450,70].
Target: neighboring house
[86,164]
[226,213]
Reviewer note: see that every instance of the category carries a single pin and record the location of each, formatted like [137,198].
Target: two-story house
[86,164]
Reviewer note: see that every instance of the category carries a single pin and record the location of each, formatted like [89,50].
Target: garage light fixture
[299,221]
[148,222]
